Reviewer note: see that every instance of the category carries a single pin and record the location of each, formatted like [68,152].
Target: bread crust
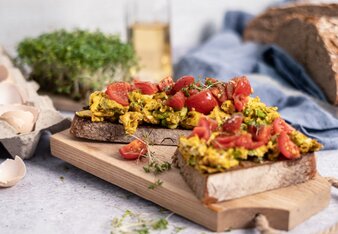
[247,179]
[309,32]
[113,132]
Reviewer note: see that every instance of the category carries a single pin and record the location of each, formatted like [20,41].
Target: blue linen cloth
[281,82]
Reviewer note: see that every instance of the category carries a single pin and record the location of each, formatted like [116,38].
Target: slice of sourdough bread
[248,178]
[112,132]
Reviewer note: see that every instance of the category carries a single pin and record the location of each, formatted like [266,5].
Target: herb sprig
[136,224]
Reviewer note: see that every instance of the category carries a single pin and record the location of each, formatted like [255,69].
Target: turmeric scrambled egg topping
[206,158]
[149,109]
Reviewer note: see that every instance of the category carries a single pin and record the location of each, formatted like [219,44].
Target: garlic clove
[12,171]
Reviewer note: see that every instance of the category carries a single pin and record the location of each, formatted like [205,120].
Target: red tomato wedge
[146,87]
[166,84]
[279,125]
[133,150]
[118,91]
[182,82]
[177,101]
[289,149]
[203,102]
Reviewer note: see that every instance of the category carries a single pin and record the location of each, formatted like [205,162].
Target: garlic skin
[4,74]
[12,171]
[22,121]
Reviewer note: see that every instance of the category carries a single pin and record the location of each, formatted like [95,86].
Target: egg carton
[24,115]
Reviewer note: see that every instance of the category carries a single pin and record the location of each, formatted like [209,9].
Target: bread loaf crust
[113,132]
[308,32]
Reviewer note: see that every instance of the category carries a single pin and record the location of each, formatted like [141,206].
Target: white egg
[4,74]
[12,171]
[10,94]
[21,117]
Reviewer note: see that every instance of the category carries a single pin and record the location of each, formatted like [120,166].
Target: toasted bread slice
[248,178]
[113,132]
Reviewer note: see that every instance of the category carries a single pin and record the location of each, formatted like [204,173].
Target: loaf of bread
[309,33]
[114,132]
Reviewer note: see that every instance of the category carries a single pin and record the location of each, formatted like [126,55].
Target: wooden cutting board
[285,208]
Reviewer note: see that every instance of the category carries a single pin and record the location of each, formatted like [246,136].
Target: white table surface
[82,203]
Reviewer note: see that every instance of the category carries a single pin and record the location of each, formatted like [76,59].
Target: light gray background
[189,18]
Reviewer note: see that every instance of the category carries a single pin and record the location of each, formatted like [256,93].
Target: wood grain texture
[284,208]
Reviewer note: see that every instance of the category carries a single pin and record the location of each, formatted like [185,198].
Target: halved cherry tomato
[208,123]
[146,87]
[182,82]
[177,101]
[133,150]
[219,92]
[279,125]
[203,102]
[242,86]
[201,132]
[289,149]
[225,141]
[240,101]
[204,128]
[166,84]
[233,124]
[229,89]
[118,91]
[260,133]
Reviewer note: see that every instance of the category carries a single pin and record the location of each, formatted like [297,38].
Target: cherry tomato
[289,149]
[208,123]
[219,92]
[225,141]
[133,150]
[233,124]
[204,128]
[239,102]
[260,133]
[182,82]
[192,92]
[118,91]
[177,101]
[146,87]
[201,132]
[279,125]
[203,102]
[166,84]
[242,86]
[229,89]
